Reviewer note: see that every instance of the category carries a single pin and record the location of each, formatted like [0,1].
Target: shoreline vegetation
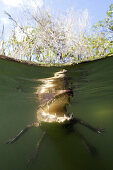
[50,65]
[62,40]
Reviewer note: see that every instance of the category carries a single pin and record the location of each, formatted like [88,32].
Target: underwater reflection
[54,96]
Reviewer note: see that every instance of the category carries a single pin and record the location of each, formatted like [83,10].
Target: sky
[96,8]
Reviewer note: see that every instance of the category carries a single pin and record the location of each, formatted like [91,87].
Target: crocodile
[53,98]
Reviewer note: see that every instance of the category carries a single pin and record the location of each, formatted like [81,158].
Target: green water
[92,84]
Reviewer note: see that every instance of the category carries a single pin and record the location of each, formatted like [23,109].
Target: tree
[60,39]
[52,39]
[109,19]
[105,28]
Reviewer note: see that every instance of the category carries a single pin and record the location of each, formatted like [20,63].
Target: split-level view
[56,85]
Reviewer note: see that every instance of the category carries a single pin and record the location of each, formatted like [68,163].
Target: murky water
[24,88]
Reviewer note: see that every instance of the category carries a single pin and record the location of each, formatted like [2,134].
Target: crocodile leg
[10,141]
[89,146]
[97,130]
[34,155]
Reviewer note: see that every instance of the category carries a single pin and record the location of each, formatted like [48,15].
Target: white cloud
[4,20]
[35,3]
[13,3]
[30,3]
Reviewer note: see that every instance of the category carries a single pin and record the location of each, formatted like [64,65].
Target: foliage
[105,27]
[107,24]
[52,39]
[59,39]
